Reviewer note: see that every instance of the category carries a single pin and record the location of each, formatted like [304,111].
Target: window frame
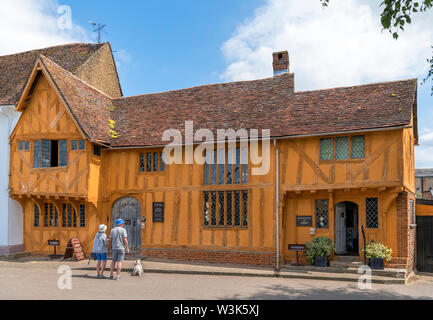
[142,159]
[40,144]
[238,175]
[242,213]
[334,151]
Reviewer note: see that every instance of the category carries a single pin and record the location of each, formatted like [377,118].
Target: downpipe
[277,197]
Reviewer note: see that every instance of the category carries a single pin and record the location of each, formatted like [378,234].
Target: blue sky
[172,44]
[168,44]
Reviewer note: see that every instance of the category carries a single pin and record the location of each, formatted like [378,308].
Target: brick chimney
[281,62]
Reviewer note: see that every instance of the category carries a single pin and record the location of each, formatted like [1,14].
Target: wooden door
[424,244]
[129,209]
[340,228]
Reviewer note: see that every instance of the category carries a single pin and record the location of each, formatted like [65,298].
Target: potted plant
[377,253]
[319,250]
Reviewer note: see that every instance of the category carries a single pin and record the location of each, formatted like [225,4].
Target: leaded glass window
[64,216]
[322,214]
[206,208]
[141,162]
[342,148]
[221,207]
[46,214]
[24,145]
[37,154]
[238,166]
[229,166]
[56,217]
[237,208]
[326,149]
[74,145]
[156,161]
[221,165]
[244,208]
[372,213]
[148,162]
[82,215]
[244,161]
[226,208]
[229,208]
[81,145]
[358,147]
[46,153]
[63,153]
[162,168]
[36,218]
[213,208]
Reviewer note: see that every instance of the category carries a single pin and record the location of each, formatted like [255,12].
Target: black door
[424,244]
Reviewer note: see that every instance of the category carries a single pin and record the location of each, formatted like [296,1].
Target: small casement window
[51,215]
[36,218]
[152,162]
[50,154]
[372,213]
[97,150]
[322,214]
[412,212]
[77,145]
[358,147]
[342,148]
[82,215]
[24,145]
[225,208]
[158,212]
[70,216]
[226,166]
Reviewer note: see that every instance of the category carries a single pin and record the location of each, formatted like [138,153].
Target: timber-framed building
[340,159]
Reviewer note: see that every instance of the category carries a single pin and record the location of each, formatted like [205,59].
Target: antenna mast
[98,28]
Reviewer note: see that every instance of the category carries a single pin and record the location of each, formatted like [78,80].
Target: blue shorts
[101,256]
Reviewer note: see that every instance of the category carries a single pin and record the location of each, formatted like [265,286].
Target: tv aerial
[98,28]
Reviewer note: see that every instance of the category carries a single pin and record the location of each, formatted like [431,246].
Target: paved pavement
[38,280]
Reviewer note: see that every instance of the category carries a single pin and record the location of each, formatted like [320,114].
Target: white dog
[138,268]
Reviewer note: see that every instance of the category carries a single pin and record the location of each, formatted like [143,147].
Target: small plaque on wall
[158,212]
[304,221]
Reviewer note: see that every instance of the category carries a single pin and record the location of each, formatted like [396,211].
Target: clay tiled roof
[265,104]
[260,104]
[15,69]
[89,107]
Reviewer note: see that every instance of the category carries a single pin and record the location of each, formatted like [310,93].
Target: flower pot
[377,263]
[321,262]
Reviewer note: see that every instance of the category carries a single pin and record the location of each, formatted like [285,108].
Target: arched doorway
[346,229]
[129,209]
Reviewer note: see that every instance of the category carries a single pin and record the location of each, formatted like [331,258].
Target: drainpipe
[277,190]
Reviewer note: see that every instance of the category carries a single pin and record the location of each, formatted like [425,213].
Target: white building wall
[11,215]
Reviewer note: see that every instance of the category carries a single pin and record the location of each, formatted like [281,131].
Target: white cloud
[29,24]
[424,154]
[337,46]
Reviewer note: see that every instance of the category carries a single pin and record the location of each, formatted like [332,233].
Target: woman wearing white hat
[100,250]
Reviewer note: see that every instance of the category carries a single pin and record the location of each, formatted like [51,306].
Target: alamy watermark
[65,280]
[258,147]
[64,20]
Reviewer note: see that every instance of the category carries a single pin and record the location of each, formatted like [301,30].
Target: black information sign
[304,221]
[158,212]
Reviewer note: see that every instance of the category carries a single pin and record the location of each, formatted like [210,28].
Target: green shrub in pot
[378,250]
[319,247]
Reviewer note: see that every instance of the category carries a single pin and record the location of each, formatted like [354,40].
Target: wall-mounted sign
[158,212]
[304,221]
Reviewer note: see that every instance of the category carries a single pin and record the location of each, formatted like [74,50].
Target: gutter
[277,202]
